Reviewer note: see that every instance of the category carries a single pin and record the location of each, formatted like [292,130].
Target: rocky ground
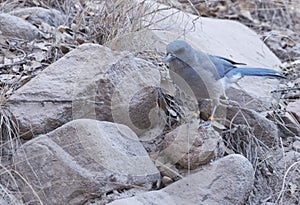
[89,114]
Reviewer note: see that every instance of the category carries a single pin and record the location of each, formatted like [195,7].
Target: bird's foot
[204,125]
[211,122]
[208,123]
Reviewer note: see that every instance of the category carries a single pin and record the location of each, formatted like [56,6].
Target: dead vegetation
[276,21]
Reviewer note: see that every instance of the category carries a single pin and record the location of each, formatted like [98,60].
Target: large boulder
[81,160]
[89,82]
[225,181]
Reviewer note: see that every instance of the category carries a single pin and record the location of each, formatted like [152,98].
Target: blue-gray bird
[208,76]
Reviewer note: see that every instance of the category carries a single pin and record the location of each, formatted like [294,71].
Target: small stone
[188,147]
[166,180]
[296,146]
[168,170]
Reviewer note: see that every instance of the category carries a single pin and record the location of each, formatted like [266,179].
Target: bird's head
[177,49]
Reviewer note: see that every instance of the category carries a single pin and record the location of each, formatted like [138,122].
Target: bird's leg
[215,103]
[211,118]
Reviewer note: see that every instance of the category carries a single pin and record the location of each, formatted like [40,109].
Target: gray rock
[288,124]
[15,27]
[263,128]
[38,15]
[247,101]
[89,82]
[133,99]
[226,181]
[289,158]
[296,146]
[189,147]
[140,41]
[83,159]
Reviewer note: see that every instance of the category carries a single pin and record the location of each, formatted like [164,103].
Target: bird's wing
[230,61]
[223,65]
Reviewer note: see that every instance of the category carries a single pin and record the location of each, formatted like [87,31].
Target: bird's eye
[168,57]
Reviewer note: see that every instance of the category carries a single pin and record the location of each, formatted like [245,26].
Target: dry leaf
[3,41]
[25,17]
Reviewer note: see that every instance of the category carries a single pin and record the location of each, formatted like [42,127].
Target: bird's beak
[168,58]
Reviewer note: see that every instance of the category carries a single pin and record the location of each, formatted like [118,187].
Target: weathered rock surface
[15,27]
[245,100]
[89,82]
[81,160]
[225,181]
[38,15]
[133,99]
[289,159]
[189,147]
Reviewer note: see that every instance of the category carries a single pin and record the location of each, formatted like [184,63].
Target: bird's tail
[264,72]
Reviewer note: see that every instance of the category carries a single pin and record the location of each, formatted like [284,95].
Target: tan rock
[81,160]
[226,181]
[189,147]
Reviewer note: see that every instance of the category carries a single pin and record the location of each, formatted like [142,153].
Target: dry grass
[240,139]
[9,131]
[273,12]
[9,142]
[275,177]
[98,21]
